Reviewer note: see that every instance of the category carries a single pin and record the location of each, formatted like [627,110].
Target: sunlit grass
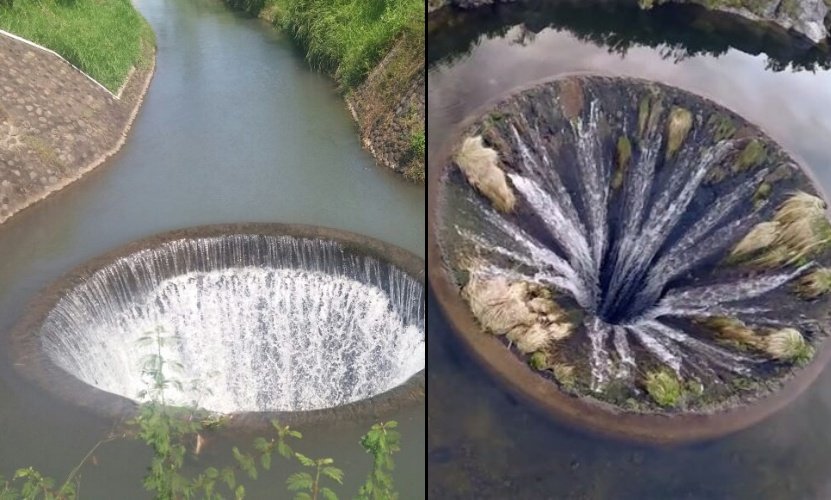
[101,37]
[348,38]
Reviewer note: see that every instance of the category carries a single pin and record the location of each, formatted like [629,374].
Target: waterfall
[255,323]
[639,254]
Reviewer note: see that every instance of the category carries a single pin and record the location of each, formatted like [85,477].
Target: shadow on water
[485,444]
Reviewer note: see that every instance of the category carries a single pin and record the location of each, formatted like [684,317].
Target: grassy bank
[346,38]
[104,38]
[375,50]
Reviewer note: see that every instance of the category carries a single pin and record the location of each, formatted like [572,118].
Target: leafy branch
[168,430]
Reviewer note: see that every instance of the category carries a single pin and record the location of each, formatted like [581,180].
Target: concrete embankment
[56,123]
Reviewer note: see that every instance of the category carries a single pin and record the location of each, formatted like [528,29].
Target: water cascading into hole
[634,239]
[257,323]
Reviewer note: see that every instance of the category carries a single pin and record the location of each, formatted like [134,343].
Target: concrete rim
[31,362]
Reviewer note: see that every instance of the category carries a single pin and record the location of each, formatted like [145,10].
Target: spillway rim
[31,362]
[543,396]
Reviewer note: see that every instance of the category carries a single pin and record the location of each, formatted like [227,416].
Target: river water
[485,444]
[235,127]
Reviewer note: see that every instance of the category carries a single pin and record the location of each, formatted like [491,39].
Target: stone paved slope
[55,123]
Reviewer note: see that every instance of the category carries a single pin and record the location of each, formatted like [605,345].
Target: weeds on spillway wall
[170,431]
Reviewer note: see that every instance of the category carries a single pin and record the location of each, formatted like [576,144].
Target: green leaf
[260,444]
[284,450]
[302,496]
[246,463]
[265,460]
[299,481]
[328,494]
[334,473]
[308,462]
[228,477]
[239,493]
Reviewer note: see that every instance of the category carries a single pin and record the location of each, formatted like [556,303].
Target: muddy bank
[809,19]
[56,124]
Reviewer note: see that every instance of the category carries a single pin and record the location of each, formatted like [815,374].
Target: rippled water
[485,444]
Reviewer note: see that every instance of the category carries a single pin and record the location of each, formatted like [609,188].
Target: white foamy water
[620,253]
[253,338]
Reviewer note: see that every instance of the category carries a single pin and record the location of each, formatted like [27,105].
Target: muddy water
[485,444]
[235,127]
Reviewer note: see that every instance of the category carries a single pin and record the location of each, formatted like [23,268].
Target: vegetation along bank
[375,50]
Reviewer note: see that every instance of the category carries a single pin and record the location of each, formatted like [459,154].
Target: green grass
[347,38]
[104,38]
[418,144]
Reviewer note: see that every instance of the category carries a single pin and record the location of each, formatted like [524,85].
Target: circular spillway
[631,257]
[259,319]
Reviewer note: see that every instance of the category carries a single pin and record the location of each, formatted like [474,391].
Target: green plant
[34,485]
[381,442]
[565,375]
[104,38]
[349,37]
[664,388]
[30,484]
[814,284]
[752,155]
[538,361]
[310,488]
[167,430]
[679,123]
[266,448]
[346,38]
[418,144]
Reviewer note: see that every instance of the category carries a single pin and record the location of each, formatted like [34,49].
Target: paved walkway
[55,123]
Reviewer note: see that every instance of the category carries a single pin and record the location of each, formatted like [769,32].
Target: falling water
[620,253]
[255,323]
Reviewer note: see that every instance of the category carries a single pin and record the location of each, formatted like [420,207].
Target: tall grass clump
[104,38]
[348,38]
